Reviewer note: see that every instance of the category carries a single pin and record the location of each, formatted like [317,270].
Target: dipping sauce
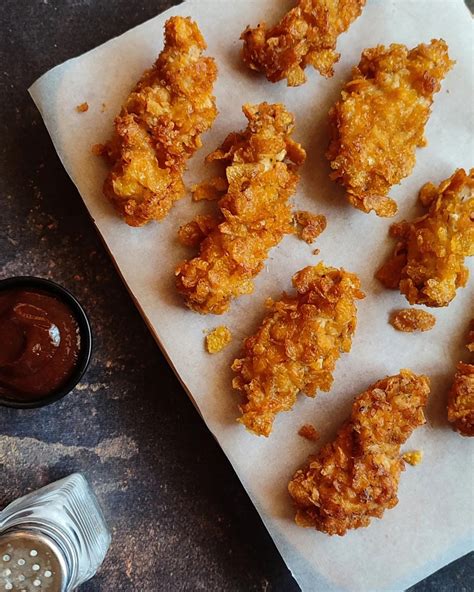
[39,344]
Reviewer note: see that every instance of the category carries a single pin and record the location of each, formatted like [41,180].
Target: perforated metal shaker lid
[31,562]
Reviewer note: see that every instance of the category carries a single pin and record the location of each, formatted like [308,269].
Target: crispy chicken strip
[355,478]
[160,125]
[427,264]
[461,395]
[254,214]
[380,119]
[297,345]
[306,35]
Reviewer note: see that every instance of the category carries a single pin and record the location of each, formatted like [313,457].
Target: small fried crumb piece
[210,190]
[413,457]
[217,339]
[103,108]
[409,320]
[309,432]
[82,108]
[192,233]
[98,149]
[311,225]
[316,252]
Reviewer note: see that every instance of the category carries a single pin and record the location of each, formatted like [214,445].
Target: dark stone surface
[180,518]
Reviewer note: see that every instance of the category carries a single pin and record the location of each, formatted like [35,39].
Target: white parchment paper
[432,524]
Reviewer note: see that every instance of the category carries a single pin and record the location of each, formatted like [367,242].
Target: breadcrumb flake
[410,320]
[218,339]
[311,225]
[82,108]
[413,457]
[309,432]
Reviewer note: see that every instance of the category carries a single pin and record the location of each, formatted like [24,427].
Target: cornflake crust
[254,214]
[413,457]
[160,125]
[380,119]
[461,395]
[309,432]
[305,36]
[427,265]
[411,319]
[311,225]
[218,339]
[355,478]
[297,345]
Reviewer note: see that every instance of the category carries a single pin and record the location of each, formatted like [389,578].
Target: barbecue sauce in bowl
[40,345]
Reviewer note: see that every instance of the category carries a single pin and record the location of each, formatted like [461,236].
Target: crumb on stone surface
[409,320]
[309,432]
[217,339]
[310,225]
[413,458]
[82,108]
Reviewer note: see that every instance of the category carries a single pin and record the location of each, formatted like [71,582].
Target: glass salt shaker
[52,540]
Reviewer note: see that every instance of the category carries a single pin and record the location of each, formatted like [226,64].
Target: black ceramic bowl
[49,287]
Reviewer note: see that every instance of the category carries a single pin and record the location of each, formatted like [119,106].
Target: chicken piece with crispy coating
[355,478]
[461,394]
[254,214]
[160,125]
[297,345]
[380,119]
[305,36]
[427,264]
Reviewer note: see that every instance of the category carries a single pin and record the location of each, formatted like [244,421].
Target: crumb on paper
[309,432]
[310,226]
[210,190]
[82,108]
[98,149]
[410,320]
[217,339]
[413,458]
[103,107]
[316,251]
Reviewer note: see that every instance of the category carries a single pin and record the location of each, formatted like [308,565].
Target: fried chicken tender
[355,478]
[461,395]
[427,264]
[297,345]
[254,214]
[160,125]
[306,35]
[379,121]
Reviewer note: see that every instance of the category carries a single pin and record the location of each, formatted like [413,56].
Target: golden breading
[380,120]
[312,225]
[355,477]
[427,264]
[305,36]
[160,125]
[218,339]
[461,395]
[412,319]
[309,432]
[297,345]
[254,214]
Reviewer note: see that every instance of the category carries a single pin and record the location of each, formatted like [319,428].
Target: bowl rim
[85,351]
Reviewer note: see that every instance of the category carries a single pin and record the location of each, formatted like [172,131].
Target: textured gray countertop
[180,518]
